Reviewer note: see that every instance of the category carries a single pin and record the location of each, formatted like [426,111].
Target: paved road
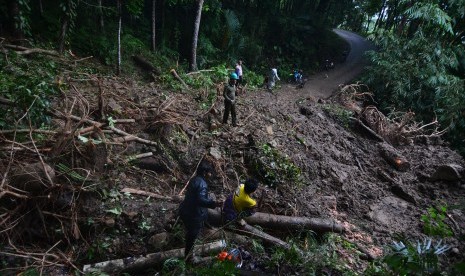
[322,85]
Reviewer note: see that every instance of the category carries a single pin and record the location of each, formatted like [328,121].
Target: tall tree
[154,2]
[195,36]
[67,22]
[120,16]
[100,16]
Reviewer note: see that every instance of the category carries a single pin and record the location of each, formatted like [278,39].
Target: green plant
[342,114]
[433,222]
[98,248]
[419,259]
[218,268]
[275,168]
[174,267]
[281,257]
[144,224]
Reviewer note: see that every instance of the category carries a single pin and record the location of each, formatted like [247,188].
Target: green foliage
[411,259]
[218,268]
[420,69]
[72,174]
[30,88]
[23,22]
[285,257]
[433,222]
[275,168]
[174,267]
[342,114]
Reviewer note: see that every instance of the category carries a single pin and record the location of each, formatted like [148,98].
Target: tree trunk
[115,267]
[62,38]
[118,66]
[41,8]
[100,16]
[284,222]
[195,36]
[17,32]
[393,157]
[154,2]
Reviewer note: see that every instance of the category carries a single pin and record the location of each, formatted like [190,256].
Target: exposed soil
[343,175]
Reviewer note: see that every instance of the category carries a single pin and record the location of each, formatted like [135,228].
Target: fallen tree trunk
[27,51]
[114,267]
[368,129]
[393,157]
[284,222]
[145,65]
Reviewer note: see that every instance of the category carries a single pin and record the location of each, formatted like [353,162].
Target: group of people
[234,83]
[193,209]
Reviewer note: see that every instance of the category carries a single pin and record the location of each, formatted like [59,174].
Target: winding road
[322,85]
[318,86]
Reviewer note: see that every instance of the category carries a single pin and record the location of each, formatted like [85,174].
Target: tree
[195,36]
[154,2]
[120,15]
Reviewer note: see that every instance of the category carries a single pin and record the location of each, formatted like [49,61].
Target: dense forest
[74,74]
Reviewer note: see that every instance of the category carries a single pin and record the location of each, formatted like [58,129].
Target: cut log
[115,267]
[284,222]
[176,76]
[393,157]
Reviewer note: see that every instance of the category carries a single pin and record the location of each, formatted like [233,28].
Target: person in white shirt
[238,71]
[272,78]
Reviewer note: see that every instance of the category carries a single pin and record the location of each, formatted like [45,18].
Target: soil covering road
[316,161]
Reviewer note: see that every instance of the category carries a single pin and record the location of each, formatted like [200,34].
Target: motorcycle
[329,65]
[297,78]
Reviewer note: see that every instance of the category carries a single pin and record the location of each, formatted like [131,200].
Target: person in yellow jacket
[240,203]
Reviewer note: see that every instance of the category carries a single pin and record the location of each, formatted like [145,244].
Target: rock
[330,202]
[269,130]
[115,106]
[110,222]
[455,250]
[215,153]
[273,144]
[32,177]
[159,240]
[131,215]
[449,172]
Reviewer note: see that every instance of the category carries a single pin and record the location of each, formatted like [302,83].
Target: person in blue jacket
[193,209]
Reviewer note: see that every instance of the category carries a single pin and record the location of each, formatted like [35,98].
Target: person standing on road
[193,209]
[229,94]
[273,78]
